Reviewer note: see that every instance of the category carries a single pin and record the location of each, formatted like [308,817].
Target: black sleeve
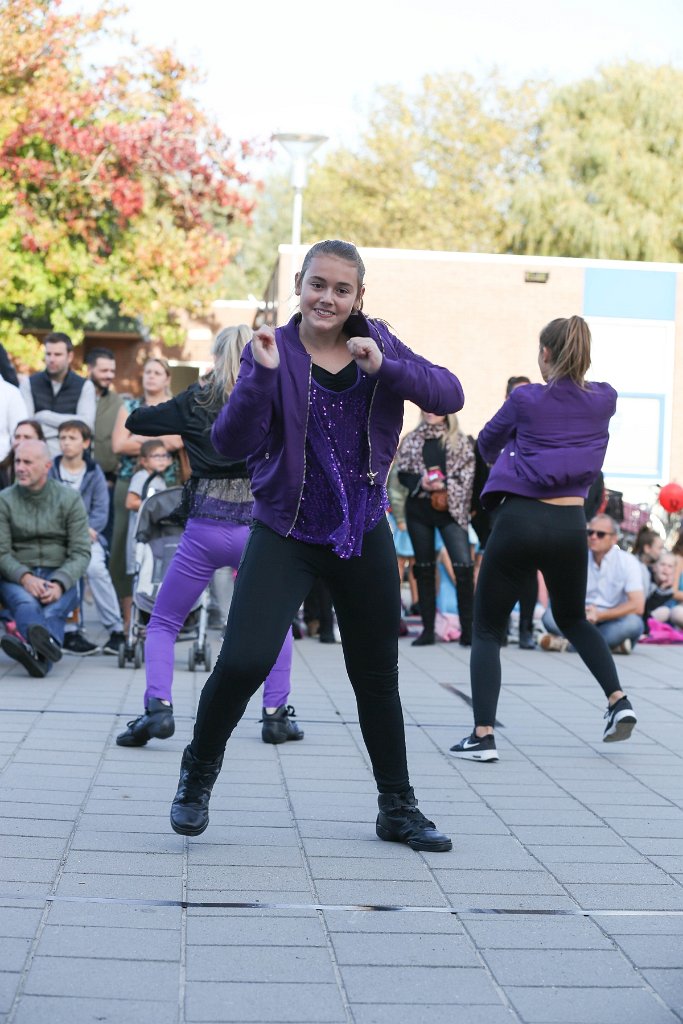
[411,481]
[6,369]
[153,420]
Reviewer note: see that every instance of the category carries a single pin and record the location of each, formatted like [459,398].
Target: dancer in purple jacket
[316,412]
[547,444]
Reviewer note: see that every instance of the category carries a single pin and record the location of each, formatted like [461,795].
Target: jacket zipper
[372,474]
[303,478]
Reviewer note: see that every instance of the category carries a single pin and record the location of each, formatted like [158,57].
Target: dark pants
[529,535]
[274,576]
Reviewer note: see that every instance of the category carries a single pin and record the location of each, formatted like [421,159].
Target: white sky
[311,66]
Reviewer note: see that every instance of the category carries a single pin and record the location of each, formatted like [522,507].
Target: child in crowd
[316,412]
[148,479]
[75,468]
[665,602]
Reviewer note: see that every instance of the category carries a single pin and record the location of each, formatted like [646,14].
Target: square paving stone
[75,1010]
[561,967]
[258,930]
[457,985]
[627,897]
[409,950]
[70,976]
[234,1003]
[278,964]
[588,1006]
[110,943]
[669,985]
[410,922]
[528,932]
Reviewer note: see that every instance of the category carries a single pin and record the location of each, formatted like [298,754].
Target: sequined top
[338,503]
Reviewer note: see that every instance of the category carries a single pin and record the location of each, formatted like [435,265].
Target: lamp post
[299,148]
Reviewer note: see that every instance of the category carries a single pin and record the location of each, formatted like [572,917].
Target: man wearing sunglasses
[615,598]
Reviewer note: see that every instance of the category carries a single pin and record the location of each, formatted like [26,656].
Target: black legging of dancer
[529,535]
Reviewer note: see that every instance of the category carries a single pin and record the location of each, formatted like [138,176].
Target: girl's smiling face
[328,293]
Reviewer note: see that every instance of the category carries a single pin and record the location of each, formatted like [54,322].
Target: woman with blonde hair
[216,509]
[436,463]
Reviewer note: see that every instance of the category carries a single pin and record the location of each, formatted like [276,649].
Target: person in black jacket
[216,508]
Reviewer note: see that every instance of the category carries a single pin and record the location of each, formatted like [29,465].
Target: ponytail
[569,345]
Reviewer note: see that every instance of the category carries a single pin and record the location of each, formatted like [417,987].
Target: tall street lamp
[300,148]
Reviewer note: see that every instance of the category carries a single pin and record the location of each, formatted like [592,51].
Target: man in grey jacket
[44,550]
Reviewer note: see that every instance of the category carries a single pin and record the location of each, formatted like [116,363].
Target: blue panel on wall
[635,294]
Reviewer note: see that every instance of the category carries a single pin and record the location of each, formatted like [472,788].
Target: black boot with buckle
[190,807]
[400,821]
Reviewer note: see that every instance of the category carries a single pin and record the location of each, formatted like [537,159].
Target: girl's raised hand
[264,348]
[366,353]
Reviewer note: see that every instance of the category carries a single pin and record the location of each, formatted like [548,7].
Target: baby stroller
[156,538]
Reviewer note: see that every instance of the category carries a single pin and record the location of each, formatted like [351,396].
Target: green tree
[116,191]
[606,180]
[434,170]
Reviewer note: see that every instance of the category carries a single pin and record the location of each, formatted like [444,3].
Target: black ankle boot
[157,721]
[190,807]
[526,636]
[278,726]
[425,639]
[400,821]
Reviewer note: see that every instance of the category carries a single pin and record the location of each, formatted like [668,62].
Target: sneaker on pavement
[76,643]
[625,647]
[476,748]
[278,726]
[550,642]
[43,643]
[157,722]
[112,644]
[35,664]
[620,721]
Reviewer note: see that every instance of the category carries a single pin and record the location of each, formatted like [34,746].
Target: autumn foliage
[114,186]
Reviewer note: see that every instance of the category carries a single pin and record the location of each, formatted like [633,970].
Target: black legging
[454,536]
[274,576]
[529,535]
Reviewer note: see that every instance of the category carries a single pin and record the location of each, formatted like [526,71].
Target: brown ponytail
[569,345]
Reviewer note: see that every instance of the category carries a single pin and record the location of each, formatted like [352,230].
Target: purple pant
[206,545]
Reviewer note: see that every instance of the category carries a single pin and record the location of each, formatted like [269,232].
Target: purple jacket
[266,417]
[553,439]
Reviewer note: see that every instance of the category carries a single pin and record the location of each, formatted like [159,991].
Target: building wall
[480,316]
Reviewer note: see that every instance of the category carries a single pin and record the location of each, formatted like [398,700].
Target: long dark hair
[569,343]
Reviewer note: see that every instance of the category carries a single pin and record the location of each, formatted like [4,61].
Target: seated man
[44,550]
[615,598]
[76,469]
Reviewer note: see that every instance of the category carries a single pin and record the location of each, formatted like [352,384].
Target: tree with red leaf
[116,190]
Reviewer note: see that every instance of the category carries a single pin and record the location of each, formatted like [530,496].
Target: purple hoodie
[553,439]
[266,417]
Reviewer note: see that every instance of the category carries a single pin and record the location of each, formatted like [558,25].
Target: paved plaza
[561,902]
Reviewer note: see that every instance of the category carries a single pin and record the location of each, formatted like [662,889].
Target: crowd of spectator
[72,479]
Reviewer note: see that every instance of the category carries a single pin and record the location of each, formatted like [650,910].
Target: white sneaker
[550,642]
[625,647]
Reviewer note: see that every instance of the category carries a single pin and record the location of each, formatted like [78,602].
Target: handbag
[439,500]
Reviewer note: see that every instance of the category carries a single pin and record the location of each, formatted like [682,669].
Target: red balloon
[671,497]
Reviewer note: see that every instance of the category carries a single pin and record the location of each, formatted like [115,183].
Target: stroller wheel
[122,654]
[206,655]
[192,657]
[138,655]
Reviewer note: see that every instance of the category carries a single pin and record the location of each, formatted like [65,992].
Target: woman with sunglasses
[547,444]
